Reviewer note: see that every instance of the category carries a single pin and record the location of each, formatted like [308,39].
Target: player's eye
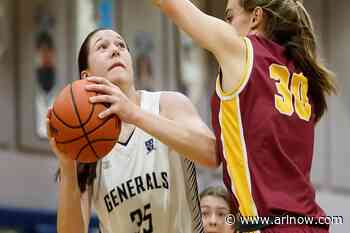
[205,213]
[121,45]
[221,214]
[101,46]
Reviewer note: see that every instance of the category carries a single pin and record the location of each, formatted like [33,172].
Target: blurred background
[39,40]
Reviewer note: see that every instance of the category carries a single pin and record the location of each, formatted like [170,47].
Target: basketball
[78,131]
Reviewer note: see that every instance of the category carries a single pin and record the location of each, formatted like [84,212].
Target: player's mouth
[115,65]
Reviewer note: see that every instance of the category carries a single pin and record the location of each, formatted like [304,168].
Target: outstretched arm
[213,34]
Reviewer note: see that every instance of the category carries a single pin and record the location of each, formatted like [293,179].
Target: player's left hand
[110,93]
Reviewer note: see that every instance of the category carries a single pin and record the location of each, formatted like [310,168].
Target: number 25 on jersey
[298,89]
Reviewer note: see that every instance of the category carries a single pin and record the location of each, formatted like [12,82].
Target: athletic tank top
[265,135]
[144,186]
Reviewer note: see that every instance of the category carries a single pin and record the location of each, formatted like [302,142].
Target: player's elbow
[212,162]
[210,156]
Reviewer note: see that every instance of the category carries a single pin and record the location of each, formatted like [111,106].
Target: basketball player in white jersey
[146,183]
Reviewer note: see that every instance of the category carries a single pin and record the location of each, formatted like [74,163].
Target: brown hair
[288,23]
[219,192]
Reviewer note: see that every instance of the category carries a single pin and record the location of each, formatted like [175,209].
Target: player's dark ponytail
[288,23]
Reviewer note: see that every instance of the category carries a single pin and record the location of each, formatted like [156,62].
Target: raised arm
[211,33]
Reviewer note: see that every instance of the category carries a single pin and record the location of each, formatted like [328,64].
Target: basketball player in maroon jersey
[270,93]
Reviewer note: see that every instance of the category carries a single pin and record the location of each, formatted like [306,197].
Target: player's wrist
[67,167]
[136,117]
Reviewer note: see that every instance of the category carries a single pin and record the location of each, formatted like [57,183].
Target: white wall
[339,50]
[336,204]
[27,180]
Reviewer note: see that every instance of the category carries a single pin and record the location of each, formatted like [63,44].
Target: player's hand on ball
[60,155]
[110,93]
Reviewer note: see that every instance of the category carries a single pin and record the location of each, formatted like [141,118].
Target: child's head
[215,205]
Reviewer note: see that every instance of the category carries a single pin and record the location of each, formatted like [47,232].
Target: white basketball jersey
[145,187]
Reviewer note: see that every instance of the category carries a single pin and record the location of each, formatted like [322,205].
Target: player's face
[214,210]
[109,57]
[238,17]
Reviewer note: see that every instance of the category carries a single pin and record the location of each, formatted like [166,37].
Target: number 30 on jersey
[298,89]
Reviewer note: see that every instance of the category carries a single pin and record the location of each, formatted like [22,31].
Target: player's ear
[84,74]
[257,17]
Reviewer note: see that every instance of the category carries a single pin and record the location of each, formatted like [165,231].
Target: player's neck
[133,95]
[256,32]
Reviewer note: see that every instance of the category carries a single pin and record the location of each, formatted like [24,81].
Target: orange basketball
[78,131]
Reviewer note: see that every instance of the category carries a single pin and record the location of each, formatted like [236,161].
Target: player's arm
[211,33]
[180,127]
[74,208]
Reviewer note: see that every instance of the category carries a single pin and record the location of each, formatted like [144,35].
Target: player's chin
[213,230]
[120,77]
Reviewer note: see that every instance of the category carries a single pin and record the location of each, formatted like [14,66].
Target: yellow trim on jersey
[235,154]
[248,57]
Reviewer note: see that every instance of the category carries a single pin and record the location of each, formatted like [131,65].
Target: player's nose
[213,219]
[114,50]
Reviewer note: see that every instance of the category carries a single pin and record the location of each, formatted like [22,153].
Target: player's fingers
[100,80]
[53,145]
[49,113]
[52,142]
[102,99]
[48,117]
[95,79]
[55,149]
[105,113]
[100,88]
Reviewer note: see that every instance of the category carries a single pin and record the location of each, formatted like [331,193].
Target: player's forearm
[195,144]
[203,28]
[69,217]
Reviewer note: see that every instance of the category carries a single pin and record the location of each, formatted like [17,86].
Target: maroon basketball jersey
[265,135]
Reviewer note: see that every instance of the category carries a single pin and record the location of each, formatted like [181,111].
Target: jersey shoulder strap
[150,101]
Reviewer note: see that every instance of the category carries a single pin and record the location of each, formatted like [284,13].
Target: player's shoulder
[171,101]
[263,46]
[168,97]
